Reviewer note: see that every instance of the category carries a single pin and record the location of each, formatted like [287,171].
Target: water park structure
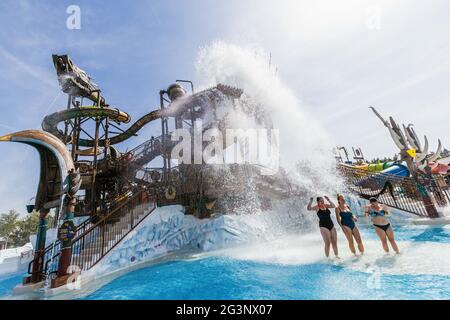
[101,195]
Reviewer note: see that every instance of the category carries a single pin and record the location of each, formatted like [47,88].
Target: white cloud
[338,66]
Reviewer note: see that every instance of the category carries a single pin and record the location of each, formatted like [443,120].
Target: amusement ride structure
[413,181]
[84,174]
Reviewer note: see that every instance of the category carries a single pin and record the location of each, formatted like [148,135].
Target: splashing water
[301,137]
[305,150]
[434,256]
[304,146]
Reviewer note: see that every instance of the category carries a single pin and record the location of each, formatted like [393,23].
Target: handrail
[82,226]
[113,212]
[151,148]
[54,244]
[98,241]
[84,232]
[92,245]
[86,226]
[48,261]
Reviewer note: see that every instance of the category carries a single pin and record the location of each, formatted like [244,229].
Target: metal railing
[92,245]
[55,247]
[147,150]
[404,193]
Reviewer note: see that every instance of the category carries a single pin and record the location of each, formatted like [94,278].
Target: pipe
[41,235]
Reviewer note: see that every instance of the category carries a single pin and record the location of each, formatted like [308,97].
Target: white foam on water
[287,250]
[446,211]
[415,258]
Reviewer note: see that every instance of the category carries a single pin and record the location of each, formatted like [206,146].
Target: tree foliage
[381,160]
[17,230]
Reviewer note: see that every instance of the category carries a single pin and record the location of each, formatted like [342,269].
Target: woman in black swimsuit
[378,212]
[326,225]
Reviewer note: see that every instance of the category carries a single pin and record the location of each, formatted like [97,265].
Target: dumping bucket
[30,207]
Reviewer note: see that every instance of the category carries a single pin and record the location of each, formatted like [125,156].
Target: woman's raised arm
[331,204]
[310,207]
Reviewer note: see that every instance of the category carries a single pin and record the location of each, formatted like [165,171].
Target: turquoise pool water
[221,277]
[281,271]
[8,282]
[218,278]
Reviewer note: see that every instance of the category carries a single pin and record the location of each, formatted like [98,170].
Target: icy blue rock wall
[167,229]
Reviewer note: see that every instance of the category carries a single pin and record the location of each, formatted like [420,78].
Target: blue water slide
[378,181]
[399,170]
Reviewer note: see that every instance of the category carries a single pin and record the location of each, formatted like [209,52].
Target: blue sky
[328,53]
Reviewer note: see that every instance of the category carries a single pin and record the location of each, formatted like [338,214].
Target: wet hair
[319,198]
[340,196]
[373,199]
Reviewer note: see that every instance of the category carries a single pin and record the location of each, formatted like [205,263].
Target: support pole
[38,263]
[94,171]
[66,123]
[425,196]
[66,243]
[163,132]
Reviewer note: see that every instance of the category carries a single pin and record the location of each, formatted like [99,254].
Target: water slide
[50,122]
[378,180]
[57,174]
[181,105]
[77,83]
[398,170]
[372,167]
[376,167]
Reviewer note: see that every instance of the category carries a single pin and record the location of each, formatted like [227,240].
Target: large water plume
[305,147]
[249,70]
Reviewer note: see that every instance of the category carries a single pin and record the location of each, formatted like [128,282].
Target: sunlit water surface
[293,267]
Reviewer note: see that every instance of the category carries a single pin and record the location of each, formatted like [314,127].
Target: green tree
[17,231]
[8,225]
[26,227]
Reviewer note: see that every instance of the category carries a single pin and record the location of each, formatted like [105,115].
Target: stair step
[114,232]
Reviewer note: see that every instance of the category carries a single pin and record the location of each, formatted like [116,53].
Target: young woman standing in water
[346,220]
[327,229]
[383,228]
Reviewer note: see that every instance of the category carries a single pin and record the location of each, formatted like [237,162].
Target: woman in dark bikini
[346,220]
[383,228]
[326,225]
